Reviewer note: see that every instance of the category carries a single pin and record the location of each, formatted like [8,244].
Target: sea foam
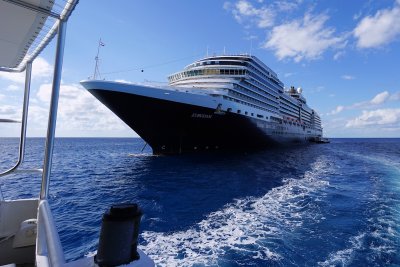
[247,226]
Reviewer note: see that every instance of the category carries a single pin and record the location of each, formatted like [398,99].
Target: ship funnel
[299,90]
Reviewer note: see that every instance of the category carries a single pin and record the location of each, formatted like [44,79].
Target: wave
[141,155]
[251,226]
[387,161]
[378,243]
[345,256]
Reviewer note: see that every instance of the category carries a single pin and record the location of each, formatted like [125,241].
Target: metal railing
[48,246]
[28,73]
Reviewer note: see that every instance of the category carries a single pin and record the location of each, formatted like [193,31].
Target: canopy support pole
[51,127]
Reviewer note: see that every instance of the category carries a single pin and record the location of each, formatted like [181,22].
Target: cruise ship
[228,102]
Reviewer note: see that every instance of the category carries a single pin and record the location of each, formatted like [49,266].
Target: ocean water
[334,204]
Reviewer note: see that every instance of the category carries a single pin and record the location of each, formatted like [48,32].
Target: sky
[344,54]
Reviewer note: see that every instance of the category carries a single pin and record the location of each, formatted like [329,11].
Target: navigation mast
[96,67]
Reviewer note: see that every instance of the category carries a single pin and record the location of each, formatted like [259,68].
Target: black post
[119,235]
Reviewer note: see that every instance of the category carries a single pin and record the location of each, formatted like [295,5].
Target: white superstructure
[246,80]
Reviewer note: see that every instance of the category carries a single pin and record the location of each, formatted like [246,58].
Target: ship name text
[201,116]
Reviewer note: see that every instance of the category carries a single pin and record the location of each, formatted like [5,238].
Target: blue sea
[334,204]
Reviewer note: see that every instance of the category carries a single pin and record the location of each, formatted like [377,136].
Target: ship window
[239,111]
[229,110]
[252,114]
[260,116]
[245,112]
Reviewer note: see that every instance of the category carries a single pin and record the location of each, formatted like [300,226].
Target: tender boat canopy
[26,27]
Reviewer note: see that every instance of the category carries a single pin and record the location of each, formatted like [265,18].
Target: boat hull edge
[171,127]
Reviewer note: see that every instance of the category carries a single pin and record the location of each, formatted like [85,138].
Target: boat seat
[18,225]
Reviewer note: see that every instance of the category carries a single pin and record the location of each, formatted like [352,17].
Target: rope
[150,66]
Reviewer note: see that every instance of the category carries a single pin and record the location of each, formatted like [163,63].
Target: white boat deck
[28,235]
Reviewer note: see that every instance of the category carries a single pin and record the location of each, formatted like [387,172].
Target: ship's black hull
[170,127]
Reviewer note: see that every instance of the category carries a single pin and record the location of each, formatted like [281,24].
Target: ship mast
[96,67]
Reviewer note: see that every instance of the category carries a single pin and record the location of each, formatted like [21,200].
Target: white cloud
[284,5]
[14,77]
[38,119]
[13,87]
[338,55]
[79,110]
[316,89]
[377,100]
[242,11]
[395,96]
[288,74]
[357,16]
[380,29]
[227,5]
[2,97]
[302,39]
[380,98]
[337,110]
[40,69]
[79,114]
[380,117]
[348,77]
[10,112]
